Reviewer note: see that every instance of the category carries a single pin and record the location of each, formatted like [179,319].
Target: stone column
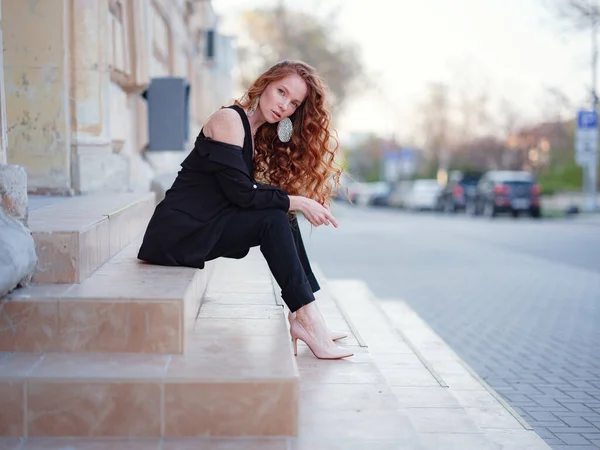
[36,71]
[58,87]
[95,166]
[17,249]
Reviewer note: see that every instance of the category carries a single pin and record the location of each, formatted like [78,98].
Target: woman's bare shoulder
[225,125]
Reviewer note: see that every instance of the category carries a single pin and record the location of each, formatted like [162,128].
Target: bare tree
[278,33]
[576,14]
[473,114]
[509,118]
[583,16]
[436,126]
[365,158]
[557,105]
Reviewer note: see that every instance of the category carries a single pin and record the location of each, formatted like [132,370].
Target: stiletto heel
[335,335]
[299,332]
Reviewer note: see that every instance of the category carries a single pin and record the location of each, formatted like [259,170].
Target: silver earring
[284,129]
[253,107]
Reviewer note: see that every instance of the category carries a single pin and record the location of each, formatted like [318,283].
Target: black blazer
[214,182]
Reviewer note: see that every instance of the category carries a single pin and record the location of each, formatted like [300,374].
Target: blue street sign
[586,154]
[407,154]
[587,119]
[586,138]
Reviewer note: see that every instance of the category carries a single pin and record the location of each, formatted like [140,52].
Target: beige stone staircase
[103,345]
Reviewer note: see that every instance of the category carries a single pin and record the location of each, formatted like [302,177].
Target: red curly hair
[305,165]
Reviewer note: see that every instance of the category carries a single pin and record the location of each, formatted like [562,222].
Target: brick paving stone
[572,438]
[575,421]
[567,429]
[581,395]
[590,446]
[544,433]
[551,408]
[542,416]
[591,416]
[555,443]
[577,407]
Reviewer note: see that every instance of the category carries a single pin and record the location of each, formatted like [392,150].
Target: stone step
[200,443]
[77,235]
[126,306]
[237,377]
[446,402]
[242,385]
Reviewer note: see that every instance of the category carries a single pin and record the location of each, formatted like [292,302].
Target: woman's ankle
[307,313]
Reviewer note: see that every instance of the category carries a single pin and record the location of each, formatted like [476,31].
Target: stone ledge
[125,306]
[77,235]
[139,396]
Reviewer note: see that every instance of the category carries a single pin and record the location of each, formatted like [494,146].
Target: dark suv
[506,191]
[458,190]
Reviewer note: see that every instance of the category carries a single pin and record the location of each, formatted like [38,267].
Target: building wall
[36,78]
[75,72]
[3,134]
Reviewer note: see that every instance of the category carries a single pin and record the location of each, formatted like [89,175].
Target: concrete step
[126,306]
[201,443]
[447,403]
[237,377]
[223,386]
[77,235]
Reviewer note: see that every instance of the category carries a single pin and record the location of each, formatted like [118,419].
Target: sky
[512,49]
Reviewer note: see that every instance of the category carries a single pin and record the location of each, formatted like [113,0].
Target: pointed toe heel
[299,333]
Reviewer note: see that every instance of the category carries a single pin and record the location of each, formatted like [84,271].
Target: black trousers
[281,244]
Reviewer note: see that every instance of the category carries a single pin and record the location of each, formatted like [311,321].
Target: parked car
[365,192]
[506,191]
[399,194]
[381,196]
[460,187]
[423,194]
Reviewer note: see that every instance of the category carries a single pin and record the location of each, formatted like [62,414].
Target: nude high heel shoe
[299,332]
[335,335]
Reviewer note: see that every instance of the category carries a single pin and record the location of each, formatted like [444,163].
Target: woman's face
[281,98]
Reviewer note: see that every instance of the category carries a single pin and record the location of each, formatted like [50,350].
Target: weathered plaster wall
[36,77]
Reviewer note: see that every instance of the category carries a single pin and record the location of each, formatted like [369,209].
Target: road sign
[391,166]
[586,137]
[408,158]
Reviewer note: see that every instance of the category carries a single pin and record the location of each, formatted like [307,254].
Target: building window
[118,28]
[162,41]
[128,58]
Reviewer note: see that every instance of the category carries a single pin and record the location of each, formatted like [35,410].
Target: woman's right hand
[314,212]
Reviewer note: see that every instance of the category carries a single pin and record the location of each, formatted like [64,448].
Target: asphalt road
[518,300]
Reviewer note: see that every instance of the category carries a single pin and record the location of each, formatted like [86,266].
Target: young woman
[278,134]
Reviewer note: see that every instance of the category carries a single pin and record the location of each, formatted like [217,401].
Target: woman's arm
[314,212]
[225,125]
[297,202]
[243,192]
[240,189]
